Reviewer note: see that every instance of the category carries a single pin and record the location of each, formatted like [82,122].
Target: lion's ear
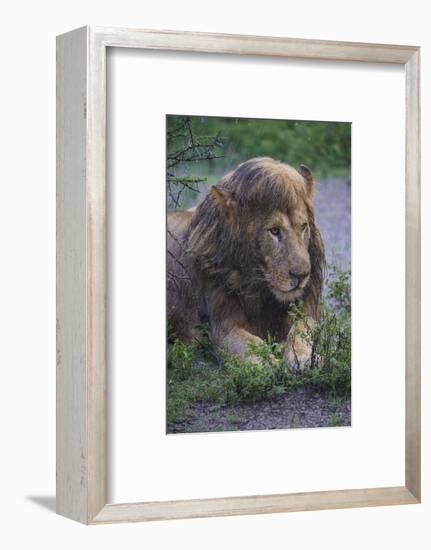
[308,177]
[224,199]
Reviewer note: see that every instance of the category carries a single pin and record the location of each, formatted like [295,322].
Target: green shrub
[335,420]
[180,356]
[246,381]
[339,289]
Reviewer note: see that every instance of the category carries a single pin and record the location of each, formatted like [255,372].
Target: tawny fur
[227,268]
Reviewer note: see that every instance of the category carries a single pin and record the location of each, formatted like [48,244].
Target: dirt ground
[301,408]
[332,204]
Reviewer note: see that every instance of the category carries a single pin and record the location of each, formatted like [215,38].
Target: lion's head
[256,229]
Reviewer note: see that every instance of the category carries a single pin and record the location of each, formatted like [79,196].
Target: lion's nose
[299,275]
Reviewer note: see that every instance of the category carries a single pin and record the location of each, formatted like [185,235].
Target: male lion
[243,255]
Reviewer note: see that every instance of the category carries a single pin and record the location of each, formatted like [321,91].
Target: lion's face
[256,227]
[283,241]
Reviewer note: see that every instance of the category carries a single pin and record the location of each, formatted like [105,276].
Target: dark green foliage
[323,146]
[181,356]
[339,288]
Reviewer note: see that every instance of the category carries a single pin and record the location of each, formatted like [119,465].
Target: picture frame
[82,474]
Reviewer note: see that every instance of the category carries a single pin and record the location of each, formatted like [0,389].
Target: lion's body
[243,255]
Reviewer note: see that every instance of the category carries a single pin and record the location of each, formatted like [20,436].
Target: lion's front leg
[236,341]
[231,332]
[299,349]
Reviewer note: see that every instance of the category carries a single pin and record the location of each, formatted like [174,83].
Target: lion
[239,260]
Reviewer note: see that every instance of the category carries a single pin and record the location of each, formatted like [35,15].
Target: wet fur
[215,266]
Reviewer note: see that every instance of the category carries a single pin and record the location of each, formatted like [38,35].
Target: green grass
[193,375]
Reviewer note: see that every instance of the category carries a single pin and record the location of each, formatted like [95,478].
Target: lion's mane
[211,253]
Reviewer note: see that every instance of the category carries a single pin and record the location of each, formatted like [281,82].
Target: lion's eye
[275,231]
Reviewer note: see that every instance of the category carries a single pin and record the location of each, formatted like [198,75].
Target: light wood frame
[81,274]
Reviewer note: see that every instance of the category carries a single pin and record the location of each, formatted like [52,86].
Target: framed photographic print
[238,275]
[249,331]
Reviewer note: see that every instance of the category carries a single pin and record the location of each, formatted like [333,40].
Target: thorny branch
[184,147]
